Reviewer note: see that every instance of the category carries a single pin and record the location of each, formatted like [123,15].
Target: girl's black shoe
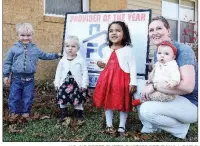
[79,115]
[63,114]
[121,131]
[110,130]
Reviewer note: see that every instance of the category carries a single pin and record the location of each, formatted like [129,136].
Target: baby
[165,70]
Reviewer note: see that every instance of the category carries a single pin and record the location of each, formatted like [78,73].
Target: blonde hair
[73,38]
[26,28]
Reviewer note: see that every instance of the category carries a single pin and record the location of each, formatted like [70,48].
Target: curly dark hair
[126,41]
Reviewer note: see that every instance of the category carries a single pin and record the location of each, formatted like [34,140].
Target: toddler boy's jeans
[21,95]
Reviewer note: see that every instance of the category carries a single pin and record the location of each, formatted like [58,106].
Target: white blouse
[78,69]
[126,60]
[167,72]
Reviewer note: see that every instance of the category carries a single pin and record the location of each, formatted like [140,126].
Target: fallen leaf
[145,137]
[73,124]
[61,139]
[13,119]
[135,135]
[13,129]
[77,139]
[38,105]
[100,131]
[5,124]
[36,116]
[57,126]
[66,122]
[136,138]
[22,120]
[45,117]
[80,123]
[38,135]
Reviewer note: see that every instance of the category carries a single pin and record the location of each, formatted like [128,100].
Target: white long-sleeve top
[126,61]
[167,72]
[78,68]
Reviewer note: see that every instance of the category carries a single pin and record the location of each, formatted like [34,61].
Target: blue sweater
[185,56]
[19,62]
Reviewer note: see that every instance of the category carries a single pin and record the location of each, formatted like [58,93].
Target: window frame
[179,21]
[84,3]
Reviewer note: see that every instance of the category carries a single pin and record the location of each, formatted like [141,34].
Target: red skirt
[112,88]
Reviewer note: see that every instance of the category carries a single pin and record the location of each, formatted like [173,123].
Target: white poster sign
[91,29]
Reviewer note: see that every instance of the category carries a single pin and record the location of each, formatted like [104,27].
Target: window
[61,7]
[181,17]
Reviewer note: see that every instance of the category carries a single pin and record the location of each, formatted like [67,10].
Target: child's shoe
[121,131]
[63,114]
[110,130]
[79,115]
[25,116]
[13,117]
[136,102]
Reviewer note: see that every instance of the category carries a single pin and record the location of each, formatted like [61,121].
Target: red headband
[166,43]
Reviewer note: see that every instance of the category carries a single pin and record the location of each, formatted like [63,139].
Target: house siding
[154,5]
[103,5]
[48,31]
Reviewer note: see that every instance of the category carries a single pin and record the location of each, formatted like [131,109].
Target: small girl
[165,70]
[117,81]
[71,80]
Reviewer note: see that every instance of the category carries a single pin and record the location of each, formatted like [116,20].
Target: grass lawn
[44,125]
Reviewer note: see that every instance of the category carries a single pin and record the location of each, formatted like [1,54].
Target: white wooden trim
[85,5]
[54,15]
[44,6]
[179,21]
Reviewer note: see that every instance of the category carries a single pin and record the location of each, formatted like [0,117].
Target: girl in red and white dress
[117,81]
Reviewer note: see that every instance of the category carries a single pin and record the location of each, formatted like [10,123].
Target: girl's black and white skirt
[70,93]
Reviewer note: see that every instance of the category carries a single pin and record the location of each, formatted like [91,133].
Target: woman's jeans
[21,95]
[174,116]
